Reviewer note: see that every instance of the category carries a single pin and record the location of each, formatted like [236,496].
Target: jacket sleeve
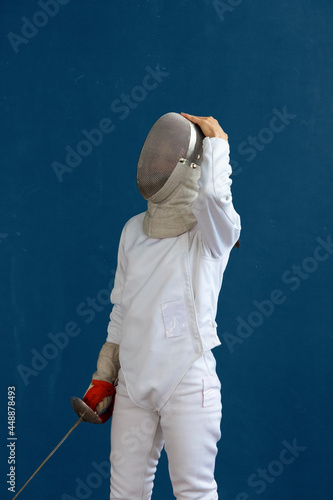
[116,316]
[218,221]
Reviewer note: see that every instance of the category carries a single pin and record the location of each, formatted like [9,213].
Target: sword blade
[79,420]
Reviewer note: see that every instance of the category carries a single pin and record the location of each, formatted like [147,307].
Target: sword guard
[84,411]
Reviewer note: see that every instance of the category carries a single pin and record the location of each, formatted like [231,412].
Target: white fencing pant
[188,426]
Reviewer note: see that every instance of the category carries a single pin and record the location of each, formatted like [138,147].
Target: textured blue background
[242,62]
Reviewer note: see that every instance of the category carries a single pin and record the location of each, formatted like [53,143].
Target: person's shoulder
[135,220]
[134,224]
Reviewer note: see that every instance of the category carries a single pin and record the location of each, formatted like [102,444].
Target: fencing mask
[167,175]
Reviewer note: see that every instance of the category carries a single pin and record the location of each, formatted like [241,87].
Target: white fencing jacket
[166,290]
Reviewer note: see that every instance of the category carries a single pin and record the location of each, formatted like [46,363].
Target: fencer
[171,261]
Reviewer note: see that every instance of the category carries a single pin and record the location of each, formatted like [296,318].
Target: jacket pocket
[175,318]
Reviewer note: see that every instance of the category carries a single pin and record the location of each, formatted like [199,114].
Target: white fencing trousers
[188,425]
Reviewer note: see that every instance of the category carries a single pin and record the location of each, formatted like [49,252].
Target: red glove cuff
[97,393]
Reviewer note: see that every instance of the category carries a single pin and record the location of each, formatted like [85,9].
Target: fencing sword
[85,414]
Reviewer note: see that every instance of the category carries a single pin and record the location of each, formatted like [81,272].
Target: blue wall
[264,70]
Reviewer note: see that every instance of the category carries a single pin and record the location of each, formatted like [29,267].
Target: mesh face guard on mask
[171,138]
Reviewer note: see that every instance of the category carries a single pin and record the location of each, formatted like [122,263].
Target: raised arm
[219,222]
